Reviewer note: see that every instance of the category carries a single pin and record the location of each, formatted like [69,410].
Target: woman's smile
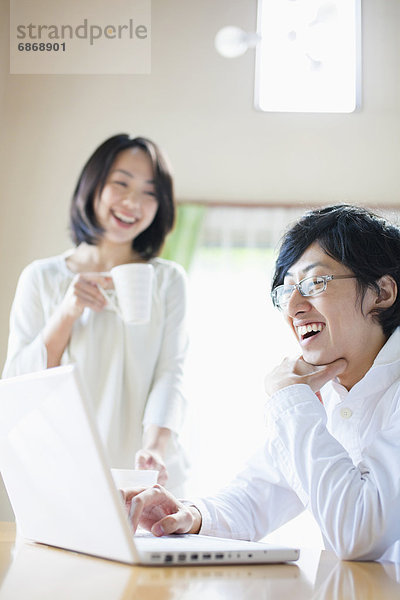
[127,204]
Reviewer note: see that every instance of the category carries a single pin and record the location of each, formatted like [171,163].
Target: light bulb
[232,41]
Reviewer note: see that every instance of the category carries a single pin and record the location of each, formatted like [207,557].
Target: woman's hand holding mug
[133,285]
[150,459]
[84,292]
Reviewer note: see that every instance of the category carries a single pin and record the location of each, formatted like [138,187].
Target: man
[333,414]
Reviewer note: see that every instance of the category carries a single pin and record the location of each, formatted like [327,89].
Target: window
[236,337]
[308,58]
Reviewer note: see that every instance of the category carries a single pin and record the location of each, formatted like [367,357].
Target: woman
[121,211]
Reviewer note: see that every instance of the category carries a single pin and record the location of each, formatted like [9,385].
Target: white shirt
[133,372]
[341,461]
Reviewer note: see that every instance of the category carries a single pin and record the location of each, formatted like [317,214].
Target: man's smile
[308,330]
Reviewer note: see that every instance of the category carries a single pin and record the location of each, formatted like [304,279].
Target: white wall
[199,107]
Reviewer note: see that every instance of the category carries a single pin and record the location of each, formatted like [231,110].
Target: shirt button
[346,413]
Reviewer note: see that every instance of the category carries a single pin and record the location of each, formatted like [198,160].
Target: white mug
[133,285]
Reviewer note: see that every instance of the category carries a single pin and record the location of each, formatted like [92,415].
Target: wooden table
[30,571]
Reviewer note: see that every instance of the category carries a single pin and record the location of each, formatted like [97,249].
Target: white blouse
[133,372]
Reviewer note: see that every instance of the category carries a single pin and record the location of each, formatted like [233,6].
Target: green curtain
[182,242]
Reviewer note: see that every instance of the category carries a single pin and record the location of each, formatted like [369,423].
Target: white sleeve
[26,350]
[356,506]
[167,402]
[256,502]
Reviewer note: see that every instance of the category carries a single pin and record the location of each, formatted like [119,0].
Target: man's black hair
[365,243]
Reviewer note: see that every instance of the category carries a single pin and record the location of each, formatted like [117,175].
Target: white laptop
[59,482]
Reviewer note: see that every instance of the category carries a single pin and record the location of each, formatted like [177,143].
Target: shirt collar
[389,353]
[387,362]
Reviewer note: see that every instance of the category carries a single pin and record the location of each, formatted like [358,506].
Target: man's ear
[387,292]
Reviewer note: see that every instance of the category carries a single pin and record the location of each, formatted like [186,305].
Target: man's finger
[336,367]
[129,494]
[180,522]
[325,373]
[139,501]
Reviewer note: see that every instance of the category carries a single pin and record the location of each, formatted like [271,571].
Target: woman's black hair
[365,243]
[83,223]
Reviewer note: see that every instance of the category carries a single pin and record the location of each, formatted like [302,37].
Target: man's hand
[292,371]
[157,510]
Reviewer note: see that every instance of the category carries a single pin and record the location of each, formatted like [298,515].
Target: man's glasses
[310,286]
